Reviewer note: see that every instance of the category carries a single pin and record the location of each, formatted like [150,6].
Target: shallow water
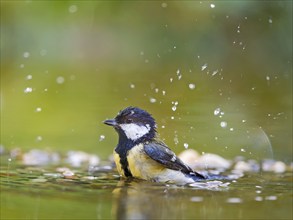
[48,193]
[216,76]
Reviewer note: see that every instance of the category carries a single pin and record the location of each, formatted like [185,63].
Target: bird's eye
[129,120]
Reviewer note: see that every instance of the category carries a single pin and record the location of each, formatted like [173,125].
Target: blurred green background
[217,75]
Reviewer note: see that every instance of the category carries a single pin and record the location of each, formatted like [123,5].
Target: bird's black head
[134,124]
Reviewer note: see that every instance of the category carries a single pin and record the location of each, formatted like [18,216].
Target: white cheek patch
[134,131]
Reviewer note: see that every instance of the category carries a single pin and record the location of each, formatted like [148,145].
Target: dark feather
[159,152]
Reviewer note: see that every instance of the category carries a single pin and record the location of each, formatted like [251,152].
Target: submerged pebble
[206,161]
[68,174]
[196,199]
[234,200]
[274,166]
[79,158]
[38,157]
[213,161]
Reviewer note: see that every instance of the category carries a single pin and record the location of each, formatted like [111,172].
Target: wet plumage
[140,155]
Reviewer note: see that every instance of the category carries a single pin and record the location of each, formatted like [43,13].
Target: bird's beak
[110,122]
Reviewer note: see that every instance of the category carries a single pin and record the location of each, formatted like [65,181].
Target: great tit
[141,155]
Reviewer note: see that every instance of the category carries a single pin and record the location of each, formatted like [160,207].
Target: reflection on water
[50,192]
[217,78]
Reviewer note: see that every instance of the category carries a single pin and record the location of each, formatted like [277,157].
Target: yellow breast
[141,165]
[118,164]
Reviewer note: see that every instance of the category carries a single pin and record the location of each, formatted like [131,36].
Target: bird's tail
[202,177]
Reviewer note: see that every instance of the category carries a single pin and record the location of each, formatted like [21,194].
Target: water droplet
[215,72]
[164,92]
[72,8]
[38,109]
[29,77]
[102,137]
[204,67]
[132,86]
[270,20]
[39,138]
[217,111]
[242,150]
[185,145]
[60,80]
[164,5]
[212,5]
[21,65]
[223,124]
[171,79]
[231,129]
[28,90]
[174,108]
[26,54]
[176,140]
[43,52]
[191,86]
[153,100]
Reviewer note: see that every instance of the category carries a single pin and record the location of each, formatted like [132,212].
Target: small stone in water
[258,198]
[271,198]
[234,200]
[196,199]
[68,173]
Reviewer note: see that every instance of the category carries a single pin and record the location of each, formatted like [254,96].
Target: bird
[141,155]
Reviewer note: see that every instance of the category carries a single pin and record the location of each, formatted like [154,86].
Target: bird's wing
[159,152]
